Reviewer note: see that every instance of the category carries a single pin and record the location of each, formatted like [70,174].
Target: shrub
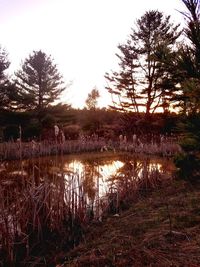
[11,132]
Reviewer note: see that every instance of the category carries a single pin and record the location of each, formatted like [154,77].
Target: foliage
[188,162]
[4,63]
[188,166]
[72,132]
[32,130]
[188,61]
[7,89]
[61,113]
[143,80]
[92,124]
[189,64]
[11,133]
[39,82]
[91,101]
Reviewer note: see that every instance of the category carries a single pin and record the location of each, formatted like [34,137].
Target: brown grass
[45,213]
[160,229]
[21,150]
[36,218]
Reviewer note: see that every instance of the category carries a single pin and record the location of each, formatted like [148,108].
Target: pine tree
[38,82]
[188,62]
[7,89]
[142,82]
[188,163]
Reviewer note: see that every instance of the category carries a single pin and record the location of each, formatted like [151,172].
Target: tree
[143,79]
[7,90]
[188,63]
[188,163]
[4,63]
[39,82]
[91,101]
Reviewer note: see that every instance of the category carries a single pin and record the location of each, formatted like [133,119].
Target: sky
[80,35]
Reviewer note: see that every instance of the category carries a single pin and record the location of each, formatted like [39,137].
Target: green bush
[188,166]
[33,130]
[11,132]
[188,163]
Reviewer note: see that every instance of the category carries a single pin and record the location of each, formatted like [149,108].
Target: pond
[91,175]
[51,198]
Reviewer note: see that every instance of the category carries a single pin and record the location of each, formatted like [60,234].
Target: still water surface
[94,171]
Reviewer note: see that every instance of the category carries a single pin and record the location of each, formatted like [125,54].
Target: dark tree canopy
[142,81]
[4,64]
[188,61]
[39,82]
[7,89]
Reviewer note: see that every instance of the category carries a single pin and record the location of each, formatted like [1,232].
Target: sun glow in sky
[80,35]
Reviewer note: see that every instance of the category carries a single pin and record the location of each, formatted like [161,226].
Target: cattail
[56,130]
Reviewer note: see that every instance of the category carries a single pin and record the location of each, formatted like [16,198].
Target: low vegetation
[145,218]
[42,213]
[160,228]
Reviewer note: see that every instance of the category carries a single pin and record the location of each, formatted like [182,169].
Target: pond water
[97,173]
[44,198]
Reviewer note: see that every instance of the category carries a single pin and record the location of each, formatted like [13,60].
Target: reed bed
[127,186]
[21,150]
[44,212]
[15,150]
[37,218]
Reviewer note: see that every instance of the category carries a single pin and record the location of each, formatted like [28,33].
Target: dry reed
[32,217]
[18,150]
[42,212]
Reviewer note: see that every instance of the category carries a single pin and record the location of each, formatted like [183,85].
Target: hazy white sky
[81,35]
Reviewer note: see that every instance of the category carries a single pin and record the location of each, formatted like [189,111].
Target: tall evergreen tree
[39,82]
[142,81]
[188,63]
[7,90]
[188,162]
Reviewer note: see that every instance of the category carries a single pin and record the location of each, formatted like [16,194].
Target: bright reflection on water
[96,173]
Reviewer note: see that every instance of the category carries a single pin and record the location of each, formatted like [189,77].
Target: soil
[160,229]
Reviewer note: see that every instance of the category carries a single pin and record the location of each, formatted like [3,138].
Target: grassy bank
[158,229]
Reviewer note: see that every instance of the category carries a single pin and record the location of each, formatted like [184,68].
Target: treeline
[159,68]
[159,65]
[28,109]
[27,99]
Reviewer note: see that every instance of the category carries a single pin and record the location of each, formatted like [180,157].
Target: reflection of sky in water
[95,175]
[74,167]
[102,174]
[106,171]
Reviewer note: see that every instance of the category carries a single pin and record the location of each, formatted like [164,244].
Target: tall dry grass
[133,182]
[47,211]
[37,217]
[20,150]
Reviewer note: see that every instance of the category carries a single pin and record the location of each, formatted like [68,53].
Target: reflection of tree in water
[89,183]
[131,170]
[134,177]
[136,173]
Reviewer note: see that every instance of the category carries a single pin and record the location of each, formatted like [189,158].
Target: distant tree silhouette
[142,81]
[7,90]
[38,82]
[91,101]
